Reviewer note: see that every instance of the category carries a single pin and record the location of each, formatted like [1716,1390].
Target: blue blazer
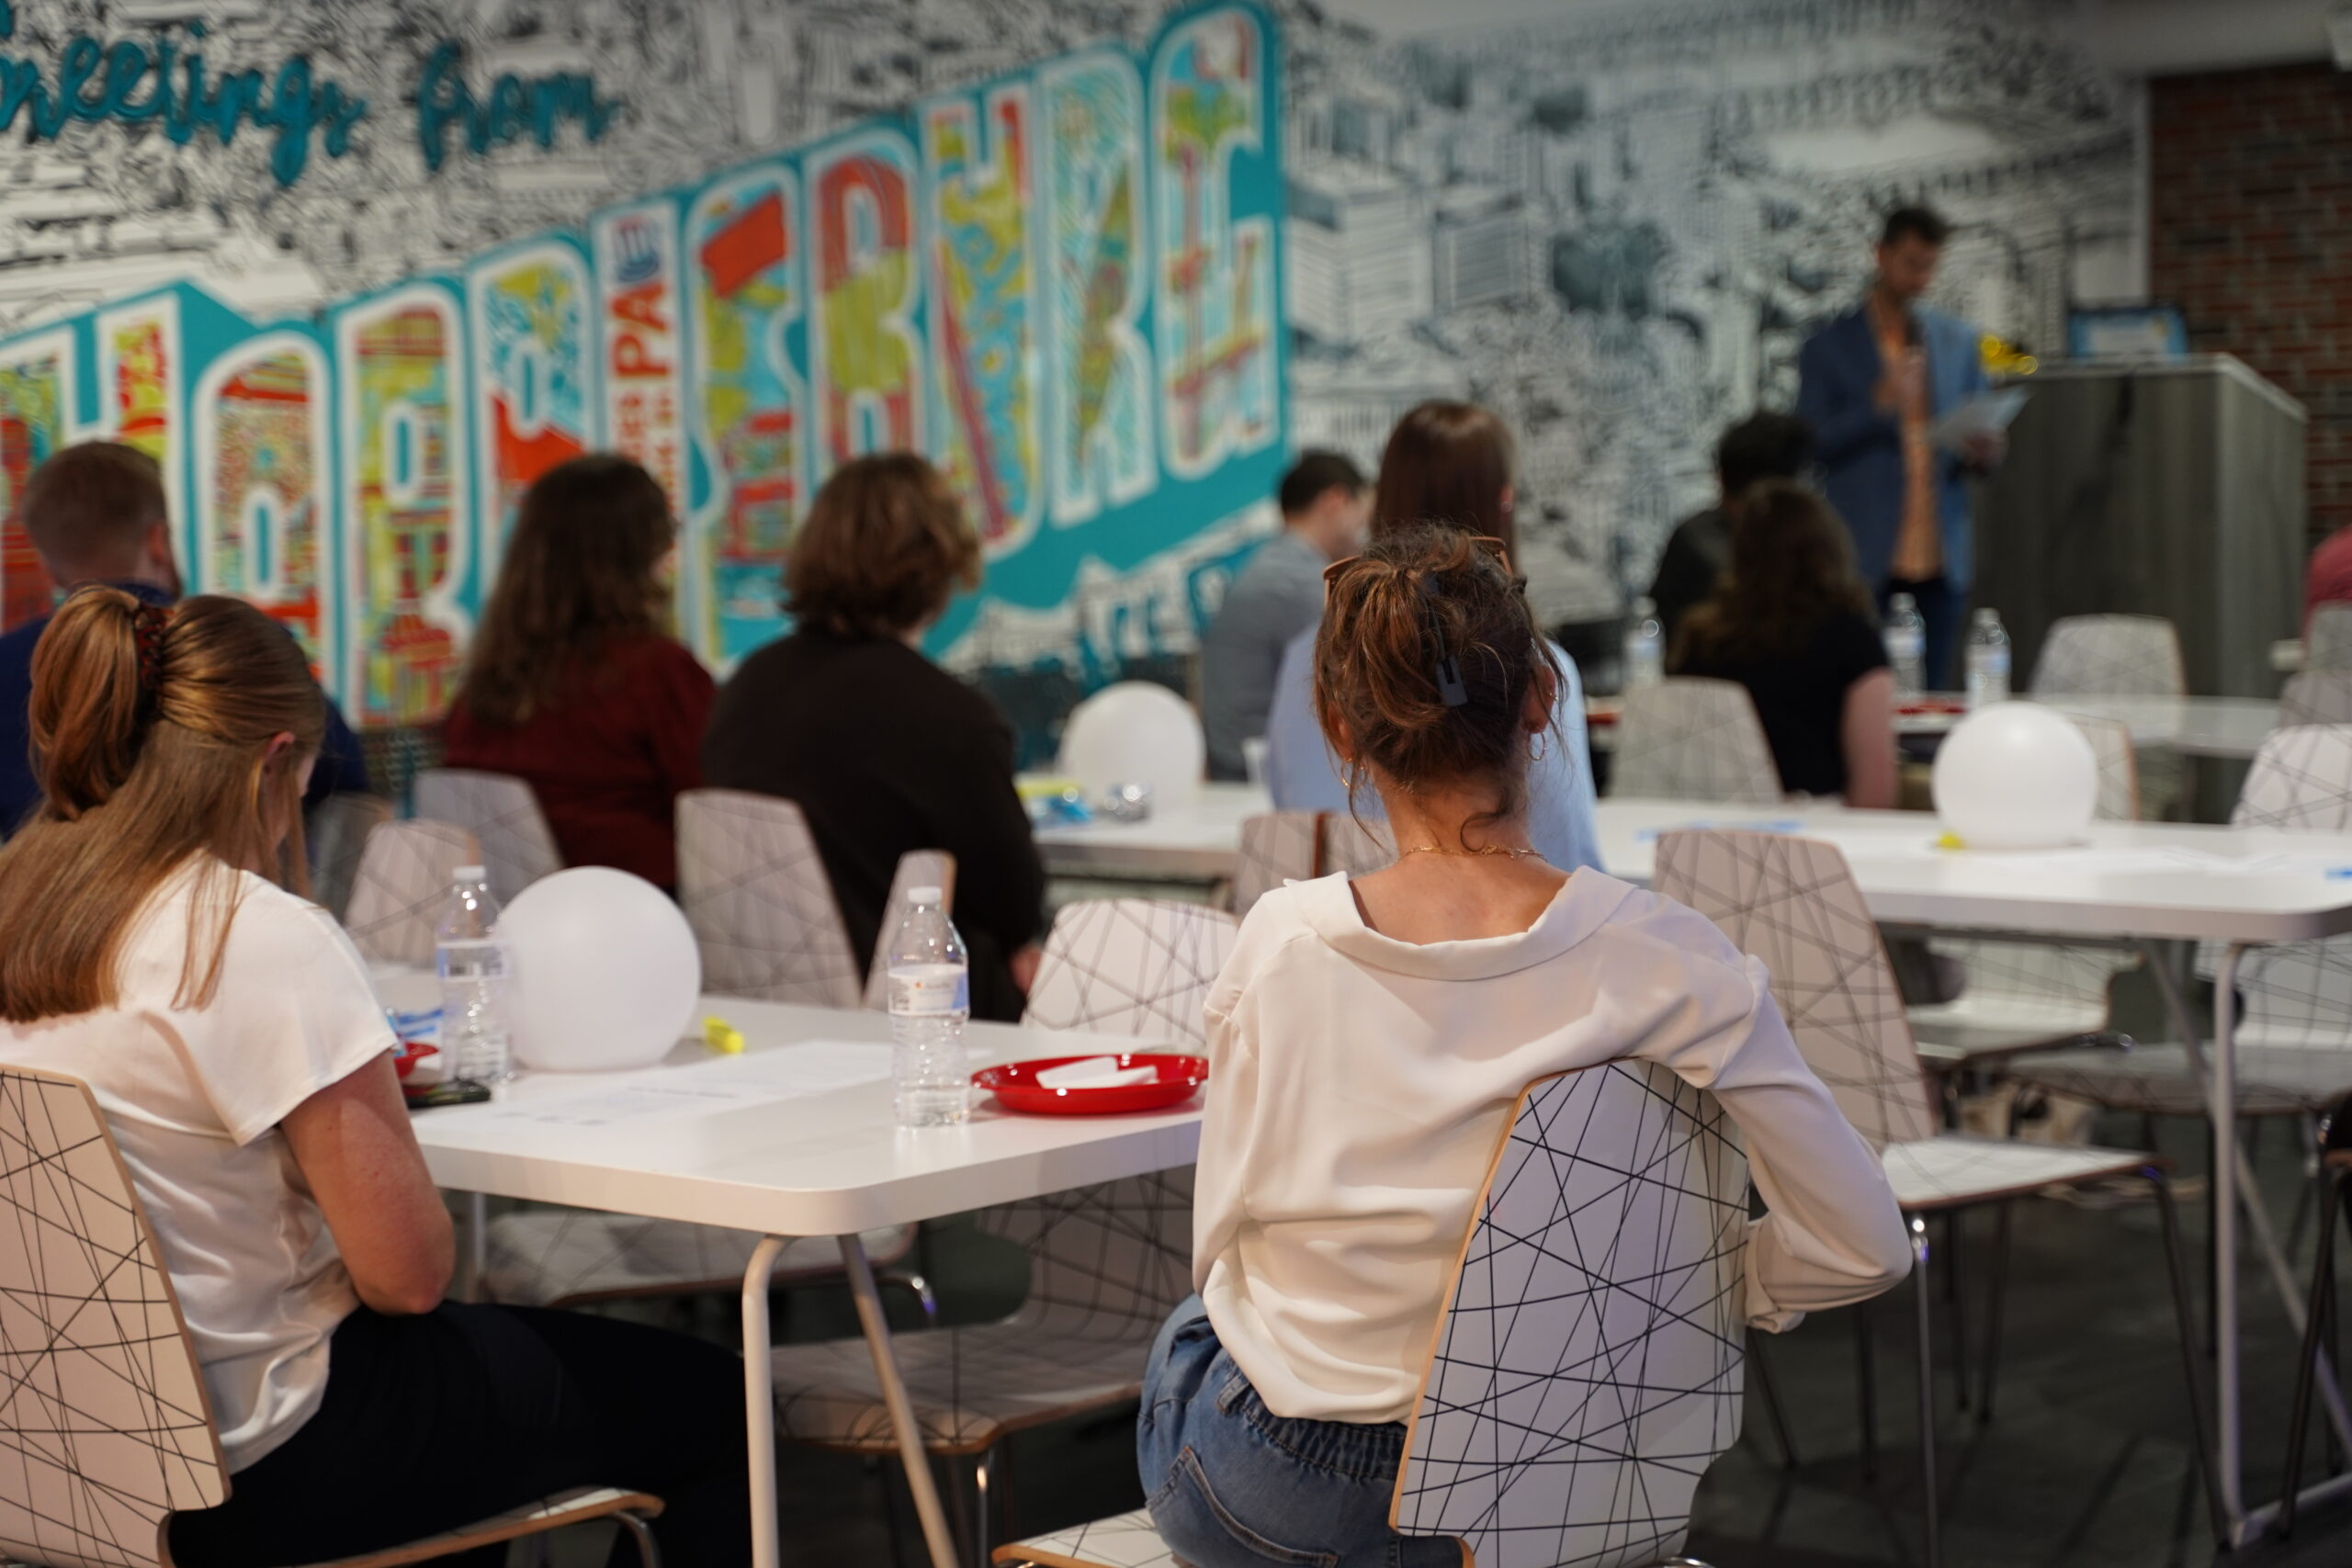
[1860,449]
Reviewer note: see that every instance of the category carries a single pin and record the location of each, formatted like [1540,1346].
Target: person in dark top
[1761,447]
[572,686]
[1790,621]
[96,512]
[882,750]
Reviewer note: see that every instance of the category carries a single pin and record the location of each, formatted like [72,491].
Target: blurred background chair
[517,846]
[404,874]
[2121,656]
[1687,739]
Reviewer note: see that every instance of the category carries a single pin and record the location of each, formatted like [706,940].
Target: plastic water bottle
[1988,660]
[1906,645]
[1645,646]
[473,965]
[931,1001]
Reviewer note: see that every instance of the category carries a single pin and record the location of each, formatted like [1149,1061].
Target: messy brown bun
[1384,694]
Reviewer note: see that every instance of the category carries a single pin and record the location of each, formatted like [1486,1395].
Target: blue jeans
[1234,1485]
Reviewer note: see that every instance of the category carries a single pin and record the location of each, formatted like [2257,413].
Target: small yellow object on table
[722,1036]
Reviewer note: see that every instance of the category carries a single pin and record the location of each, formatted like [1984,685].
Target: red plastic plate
[1016,1088]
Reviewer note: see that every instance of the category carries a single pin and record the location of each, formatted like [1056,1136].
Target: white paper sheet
[1987,413]
[820,1066]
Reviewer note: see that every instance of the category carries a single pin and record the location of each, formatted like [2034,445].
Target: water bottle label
[942,989]
[1903,644]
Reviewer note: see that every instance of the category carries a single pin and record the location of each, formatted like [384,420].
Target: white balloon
[606,972]
[2017,777]
[1136,732]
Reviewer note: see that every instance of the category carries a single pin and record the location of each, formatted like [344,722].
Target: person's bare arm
[357,1150]
[1867,734]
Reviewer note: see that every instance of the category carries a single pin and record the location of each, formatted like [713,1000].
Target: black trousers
[433,1422]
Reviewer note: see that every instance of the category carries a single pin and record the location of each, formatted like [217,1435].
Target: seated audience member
[229,1031]
[1790,621]
[1278,596]
[884,751]
[96,514]
[1367,1040]
[1761,447]
[1447,463]
[572,686]
[2328,579]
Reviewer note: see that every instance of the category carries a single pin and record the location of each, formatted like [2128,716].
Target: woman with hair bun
[149,947]
[574,684]
[1368,1038]
[1449,463]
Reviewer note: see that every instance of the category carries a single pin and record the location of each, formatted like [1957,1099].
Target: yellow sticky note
[722,1036]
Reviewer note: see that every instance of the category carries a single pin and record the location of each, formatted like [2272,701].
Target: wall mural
[1061,282]
[1070,243]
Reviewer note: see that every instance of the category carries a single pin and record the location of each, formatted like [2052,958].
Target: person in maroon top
[573,685]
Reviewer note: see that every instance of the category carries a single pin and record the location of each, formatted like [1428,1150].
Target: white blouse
[194,1098]
[1357,1085]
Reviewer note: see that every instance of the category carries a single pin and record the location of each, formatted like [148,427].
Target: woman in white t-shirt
[1368,1038]
[148,947]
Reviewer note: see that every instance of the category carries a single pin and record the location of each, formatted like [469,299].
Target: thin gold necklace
[1466,854]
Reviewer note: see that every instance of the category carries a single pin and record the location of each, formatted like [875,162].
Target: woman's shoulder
[1672,930]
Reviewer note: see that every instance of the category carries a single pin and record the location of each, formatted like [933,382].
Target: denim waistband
[1364,1451]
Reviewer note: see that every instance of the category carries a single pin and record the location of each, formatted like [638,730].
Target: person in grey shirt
[1325,504]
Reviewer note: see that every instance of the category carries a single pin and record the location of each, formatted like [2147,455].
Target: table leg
[912,1453]
[475,1260]
[759,1403]
[2221,1107]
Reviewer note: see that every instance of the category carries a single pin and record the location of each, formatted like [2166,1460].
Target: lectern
[2157,487]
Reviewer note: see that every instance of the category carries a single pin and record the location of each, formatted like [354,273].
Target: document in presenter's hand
[1987,413]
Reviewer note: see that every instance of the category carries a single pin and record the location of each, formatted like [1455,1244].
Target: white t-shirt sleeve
[295,1013]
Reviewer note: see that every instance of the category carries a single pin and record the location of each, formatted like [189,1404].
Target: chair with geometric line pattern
[2294,1030]
[2026,996]
[2120,655]
[1137,966]
[2317,696]
[1792,904]
[1298,846]
[2327,637]
[1588,1367]
[1107,1263]
[106,1418]
[404,874]
[1690,738]
[517,846]
[337,830]
[761,907]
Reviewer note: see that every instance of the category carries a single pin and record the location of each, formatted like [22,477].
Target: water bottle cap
[923,895]
[472,873]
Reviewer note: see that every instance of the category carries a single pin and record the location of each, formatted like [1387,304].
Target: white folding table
[2194,726]
[2130,882]
[832,1163]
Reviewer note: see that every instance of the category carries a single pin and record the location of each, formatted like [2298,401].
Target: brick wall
[2250,233]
